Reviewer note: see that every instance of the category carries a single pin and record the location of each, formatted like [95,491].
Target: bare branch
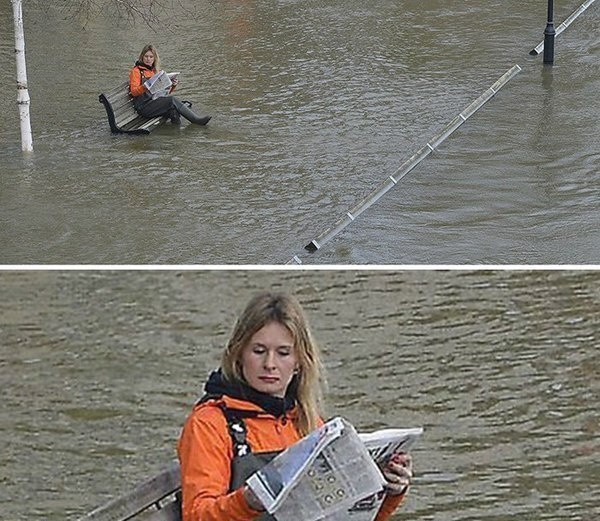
[149,12]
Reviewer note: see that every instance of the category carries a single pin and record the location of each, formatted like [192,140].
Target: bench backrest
[122,116]
[156,499]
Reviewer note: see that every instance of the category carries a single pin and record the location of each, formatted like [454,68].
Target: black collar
[217,385]
[142,65]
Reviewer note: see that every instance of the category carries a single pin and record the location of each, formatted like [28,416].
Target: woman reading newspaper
[264,398]
[147,105]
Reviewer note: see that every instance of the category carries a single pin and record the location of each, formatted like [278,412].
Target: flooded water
[98,370]
[314,105]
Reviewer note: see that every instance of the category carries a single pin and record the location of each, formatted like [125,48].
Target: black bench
[156,499]
[122,116]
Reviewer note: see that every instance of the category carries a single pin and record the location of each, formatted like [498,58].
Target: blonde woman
[147,65]
[264,398]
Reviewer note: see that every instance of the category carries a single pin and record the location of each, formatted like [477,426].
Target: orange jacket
[205,452]
[137,76]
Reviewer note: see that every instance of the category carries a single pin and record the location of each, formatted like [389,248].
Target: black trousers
[168,106]
[151,108]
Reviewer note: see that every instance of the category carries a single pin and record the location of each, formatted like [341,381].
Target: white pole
[22,92]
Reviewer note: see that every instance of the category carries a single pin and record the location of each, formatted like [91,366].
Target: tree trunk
[22,92]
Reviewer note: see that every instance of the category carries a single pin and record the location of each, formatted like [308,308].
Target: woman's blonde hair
[147,48]
[286,310]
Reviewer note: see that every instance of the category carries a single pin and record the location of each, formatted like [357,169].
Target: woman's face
[148,58]
[269,359]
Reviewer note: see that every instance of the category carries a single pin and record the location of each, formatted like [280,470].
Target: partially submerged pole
[22,92]
[568,21]
[549,34]
[408,165]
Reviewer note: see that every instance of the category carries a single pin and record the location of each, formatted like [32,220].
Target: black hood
[217,385]
[142,65]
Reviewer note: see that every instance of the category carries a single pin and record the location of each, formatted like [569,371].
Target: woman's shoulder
[137,70]
[210,410]
[206,420]
[214,407]
[214,411]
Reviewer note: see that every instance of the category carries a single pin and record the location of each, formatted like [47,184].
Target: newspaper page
[274,481]
[382,445]
[160,84]
[385,443]
[336,475]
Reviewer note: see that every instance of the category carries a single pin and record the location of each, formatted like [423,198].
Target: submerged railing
[408,165]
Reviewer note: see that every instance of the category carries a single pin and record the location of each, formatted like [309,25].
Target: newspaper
[160,84]
[329,475]
[382,445]
[385,443]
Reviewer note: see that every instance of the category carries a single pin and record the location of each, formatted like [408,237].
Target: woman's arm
[389,506]
[136,87]
[205,454]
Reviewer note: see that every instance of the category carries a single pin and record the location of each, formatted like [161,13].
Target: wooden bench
[122,116]
[156,499]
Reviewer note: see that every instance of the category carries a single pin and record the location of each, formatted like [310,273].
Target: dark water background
[98,370]
[315,104]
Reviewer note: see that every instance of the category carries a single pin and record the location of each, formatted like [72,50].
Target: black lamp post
[549,35]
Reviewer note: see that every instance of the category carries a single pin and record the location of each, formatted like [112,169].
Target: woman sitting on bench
[264,398]
[171,107]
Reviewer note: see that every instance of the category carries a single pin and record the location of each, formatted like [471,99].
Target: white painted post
[22,92]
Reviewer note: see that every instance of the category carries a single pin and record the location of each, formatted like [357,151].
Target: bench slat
[143,496]
[143,125]
[123,87]
[170,512]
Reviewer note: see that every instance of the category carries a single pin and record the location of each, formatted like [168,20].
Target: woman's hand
[398,473]
[175,81]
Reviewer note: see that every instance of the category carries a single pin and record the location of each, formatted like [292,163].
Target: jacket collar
[142,65]
[218,386]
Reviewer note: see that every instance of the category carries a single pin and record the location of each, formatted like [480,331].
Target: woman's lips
[268,379]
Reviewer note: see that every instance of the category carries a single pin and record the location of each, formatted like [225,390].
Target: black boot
[189,114]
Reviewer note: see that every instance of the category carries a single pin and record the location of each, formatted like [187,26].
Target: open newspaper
[331,474]
[160,84]
[385,443]
[382,445]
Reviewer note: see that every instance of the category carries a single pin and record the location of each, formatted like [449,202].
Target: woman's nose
[270,360]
